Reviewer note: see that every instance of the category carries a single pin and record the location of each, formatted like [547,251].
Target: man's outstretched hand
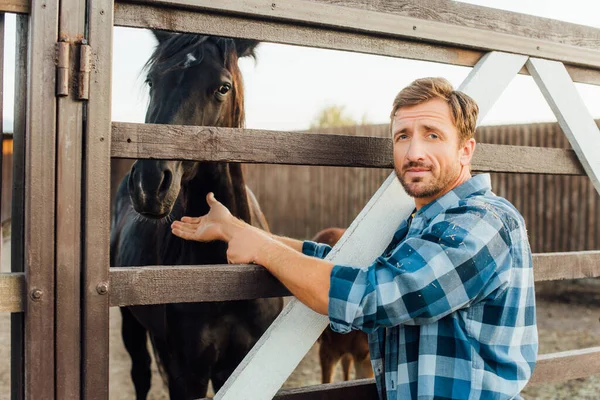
[245,242]
[218,224]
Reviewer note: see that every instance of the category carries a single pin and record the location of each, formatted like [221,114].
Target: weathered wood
[40,201]
[144,16]
[17,321]
[485,18]
[12,292]
[187,284]
[96,226]
[359,389]
[571,112]
[142,141]
[68,208]
[394,25]
[563,366]
[15,6]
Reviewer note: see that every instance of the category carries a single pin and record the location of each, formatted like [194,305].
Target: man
[450,305]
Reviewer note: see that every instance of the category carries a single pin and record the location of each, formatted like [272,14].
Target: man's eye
[401,137]
[434,136]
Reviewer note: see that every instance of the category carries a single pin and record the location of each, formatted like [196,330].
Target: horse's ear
[246,47]
[162,36]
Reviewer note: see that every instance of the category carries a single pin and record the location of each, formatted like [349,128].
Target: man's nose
[416,150]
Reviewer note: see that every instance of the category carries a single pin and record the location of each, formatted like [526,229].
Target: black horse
[193,80]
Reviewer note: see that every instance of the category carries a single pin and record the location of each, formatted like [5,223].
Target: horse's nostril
[166,182]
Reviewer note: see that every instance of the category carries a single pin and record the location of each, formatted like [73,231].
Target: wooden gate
[61,288]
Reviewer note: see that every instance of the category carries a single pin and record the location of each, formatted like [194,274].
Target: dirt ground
[568,318]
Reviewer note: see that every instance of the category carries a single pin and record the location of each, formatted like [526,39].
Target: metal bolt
[414,28]
[102,288]
[36,294]
[273,6]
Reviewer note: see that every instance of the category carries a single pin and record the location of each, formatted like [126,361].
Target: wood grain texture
[563,366]
[186,284]
[181,20]
[393,25]
[12,292]
[68,209]
[15,6]
[142,141]
[96,192]
[40,200]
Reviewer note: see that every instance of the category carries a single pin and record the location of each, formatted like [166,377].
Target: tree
[332,116]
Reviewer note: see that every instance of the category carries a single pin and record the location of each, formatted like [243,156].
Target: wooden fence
[61,288]
[562,211]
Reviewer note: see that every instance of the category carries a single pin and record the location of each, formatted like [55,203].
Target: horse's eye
[149,82]
[226,87]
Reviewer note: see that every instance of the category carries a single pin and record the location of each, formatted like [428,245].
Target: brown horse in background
[352,347]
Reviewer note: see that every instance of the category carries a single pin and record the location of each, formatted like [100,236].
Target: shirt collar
[477,184]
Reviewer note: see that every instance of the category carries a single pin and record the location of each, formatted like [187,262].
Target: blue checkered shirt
[450,305]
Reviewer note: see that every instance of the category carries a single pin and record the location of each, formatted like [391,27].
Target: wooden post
[272,359]
[95,319]
[40,167]
[68,209]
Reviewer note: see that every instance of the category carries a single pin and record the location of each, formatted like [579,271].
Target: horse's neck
[211,177]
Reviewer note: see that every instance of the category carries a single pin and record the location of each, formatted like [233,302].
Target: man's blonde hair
[463,108]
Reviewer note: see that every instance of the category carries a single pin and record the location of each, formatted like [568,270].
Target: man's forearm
[293,243]
[306,277]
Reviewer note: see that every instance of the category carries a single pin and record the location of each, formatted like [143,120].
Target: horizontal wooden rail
[363,389]
[12,292]
[280,29]
[566,365]
[181,284]
[184,284]
[143,141]
[15,6]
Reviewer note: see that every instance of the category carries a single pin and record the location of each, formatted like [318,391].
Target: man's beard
[434,187]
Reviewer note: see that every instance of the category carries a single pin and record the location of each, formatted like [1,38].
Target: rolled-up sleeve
[462,256]
[314,249]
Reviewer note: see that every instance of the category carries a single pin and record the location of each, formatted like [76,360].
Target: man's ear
[467,150]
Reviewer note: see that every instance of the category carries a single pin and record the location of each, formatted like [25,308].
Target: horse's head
[193,80]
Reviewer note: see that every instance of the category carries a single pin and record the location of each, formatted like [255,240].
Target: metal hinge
[63,69]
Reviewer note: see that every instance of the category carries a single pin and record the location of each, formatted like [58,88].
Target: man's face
[428,156]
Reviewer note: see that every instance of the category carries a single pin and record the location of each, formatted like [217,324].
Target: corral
[60,288]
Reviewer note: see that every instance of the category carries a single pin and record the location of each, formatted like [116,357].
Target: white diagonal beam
[290,337]
[570,110]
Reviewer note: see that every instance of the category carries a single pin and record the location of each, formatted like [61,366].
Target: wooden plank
[40,201]
[563,366]
[17,321]
[68,212]
[263,370]
[96,209]
[12,292]
[143,141]
[359,389]
[485,18]
[571,112]
[144,16]
[393,25]
[15,6]
[188,284]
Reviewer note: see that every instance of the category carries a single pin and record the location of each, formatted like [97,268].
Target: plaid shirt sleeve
[313,249]
[461,257]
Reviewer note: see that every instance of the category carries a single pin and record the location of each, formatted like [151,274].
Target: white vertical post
[570,110]
[289,338]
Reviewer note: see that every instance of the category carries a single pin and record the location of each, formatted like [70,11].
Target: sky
[288,85]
